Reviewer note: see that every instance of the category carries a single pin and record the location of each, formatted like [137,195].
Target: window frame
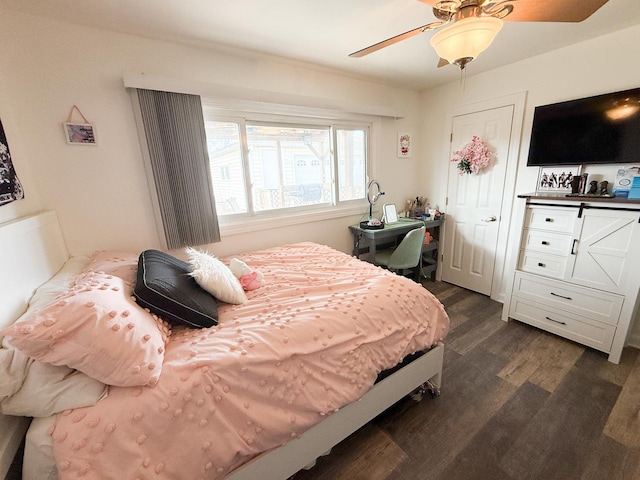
[256,220]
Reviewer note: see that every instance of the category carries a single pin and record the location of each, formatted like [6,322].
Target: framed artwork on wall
[80,134]
[557,179]
[404,145]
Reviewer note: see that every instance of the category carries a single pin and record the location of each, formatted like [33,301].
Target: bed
[295,366]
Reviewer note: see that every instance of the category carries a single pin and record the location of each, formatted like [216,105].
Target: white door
[474,202]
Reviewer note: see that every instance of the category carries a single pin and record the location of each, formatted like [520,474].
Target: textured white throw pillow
[215,277]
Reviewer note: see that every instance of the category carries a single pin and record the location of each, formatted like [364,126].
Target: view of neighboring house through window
[275,166]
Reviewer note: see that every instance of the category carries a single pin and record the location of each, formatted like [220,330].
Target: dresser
[576,269]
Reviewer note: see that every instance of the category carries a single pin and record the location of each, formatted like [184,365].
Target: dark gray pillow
[164,286]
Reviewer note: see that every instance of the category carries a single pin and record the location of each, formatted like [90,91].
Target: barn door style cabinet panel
[576,272]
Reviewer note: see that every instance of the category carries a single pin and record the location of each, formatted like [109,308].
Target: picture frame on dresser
[557,179]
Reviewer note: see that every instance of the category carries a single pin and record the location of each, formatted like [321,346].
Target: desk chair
[408,254]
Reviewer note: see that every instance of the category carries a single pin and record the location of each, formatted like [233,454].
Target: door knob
[492,218]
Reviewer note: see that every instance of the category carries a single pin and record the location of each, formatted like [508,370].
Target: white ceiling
[324,32]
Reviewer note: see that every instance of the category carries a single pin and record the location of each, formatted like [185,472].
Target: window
[266,165]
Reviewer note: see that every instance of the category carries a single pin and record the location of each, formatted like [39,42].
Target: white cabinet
[603,245]
[577,271]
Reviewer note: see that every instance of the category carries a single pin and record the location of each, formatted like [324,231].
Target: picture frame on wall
[404,144]
[557,179]
[80,134]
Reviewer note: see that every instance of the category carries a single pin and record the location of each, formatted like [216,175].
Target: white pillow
[215,277]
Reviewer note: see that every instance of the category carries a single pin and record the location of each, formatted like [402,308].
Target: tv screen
[594,130]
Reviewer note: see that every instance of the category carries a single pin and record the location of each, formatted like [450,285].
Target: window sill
[255,224]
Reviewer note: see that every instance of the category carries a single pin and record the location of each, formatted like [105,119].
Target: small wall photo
[404,144]
[80,134]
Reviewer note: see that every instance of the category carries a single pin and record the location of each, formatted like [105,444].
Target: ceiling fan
[473,24]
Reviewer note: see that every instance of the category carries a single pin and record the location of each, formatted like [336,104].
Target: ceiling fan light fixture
[465,39]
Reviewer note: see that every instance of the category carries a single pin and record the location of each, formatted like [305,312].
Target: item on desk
[593,187]
[372,224]
[634,191]
[575,185]
[604,185]
[624,177]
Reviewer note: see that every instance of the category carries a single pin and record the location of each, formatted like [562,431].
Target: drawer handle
[561,296]
[548,219]
[540,264]
[555,321]
[573,246]
[544,242]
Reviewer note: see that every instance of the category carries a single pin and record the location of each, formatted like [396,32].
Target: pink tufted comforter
[311,340]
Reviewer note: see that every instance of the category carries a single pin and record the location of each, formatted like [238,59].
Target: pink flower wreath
[473,157]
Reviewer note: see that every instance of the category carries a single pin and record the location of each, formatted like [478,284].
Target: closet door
[602,249]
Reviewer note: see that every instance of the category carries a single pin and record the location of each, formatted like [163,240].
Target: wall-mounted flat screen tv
[594,130]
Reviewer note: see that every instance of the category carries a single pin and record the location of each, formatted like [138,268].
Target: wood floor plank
[611,460]
[448,423]
[596,363]
[442,290]
[456,320]
[510,341]
[560,356]
[479,459]
[545,361]
[559,440]
[451,297]
[372,456]
[624,421]
[475,306]
[474,337]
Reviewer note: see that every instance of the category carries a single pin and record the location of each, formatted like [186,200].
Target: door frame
[518,100]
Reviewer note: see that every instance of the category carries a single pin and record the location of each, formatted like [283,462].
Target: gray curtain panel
[175,135]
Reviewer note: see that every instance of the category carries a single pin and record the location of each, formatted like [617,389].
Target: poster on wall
[10,186]
[404,144]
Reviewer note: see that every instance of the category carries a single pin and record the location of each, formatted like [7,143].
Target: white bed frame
[32,250]
[283,462]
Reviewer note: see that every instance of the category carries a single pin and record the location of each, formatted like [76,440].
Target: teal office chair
[407,255]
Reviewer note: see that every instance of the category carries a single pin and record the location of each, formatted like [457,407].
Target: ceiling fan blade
[442,62]
[396,39]
[553,10]
[544,10]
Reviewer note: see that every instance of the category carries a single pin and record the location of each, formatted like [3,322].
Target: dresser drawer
[547,242]
[559,220]
[574,327]
[542,264]
[594,304]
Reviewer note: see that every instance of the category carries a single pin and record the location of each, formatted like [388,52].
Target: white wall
[584,69]
[601,65]
[100,192]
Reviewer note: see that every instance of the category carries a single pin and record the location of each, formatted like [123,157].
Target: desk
[391,231]
[380,235]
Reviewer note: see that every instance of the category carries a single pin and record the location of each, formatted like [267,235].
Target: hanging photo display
[10,186]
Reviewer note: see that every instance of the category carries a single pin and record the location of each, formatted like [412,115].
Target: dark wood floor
[517,403]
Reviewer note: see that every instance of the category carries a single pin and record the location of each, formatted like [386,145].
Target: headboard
[32,250]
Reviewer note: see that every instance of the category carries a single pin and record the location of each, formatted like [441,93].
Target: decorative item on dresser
[573,273]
